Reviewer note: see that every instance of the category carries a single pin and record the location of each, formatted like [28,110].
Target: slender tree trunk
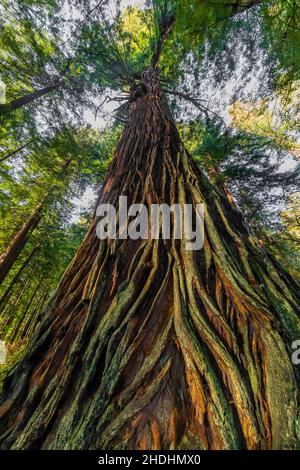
[14,152]
[33,318]
[15,331]
[29,98]
[11,309]
[7,292]
[16,245]
[238,6]
[18,242]
[148,345]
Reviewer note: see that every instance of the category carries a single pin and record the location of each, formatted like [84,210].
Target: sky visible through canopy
[217,99]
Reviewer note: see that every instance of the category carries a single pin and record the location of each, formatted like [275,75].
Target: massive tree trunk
[14,248]
[147,345]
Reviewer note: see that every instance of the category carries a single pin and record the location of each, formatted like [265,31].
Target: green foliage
[135,37]
[276,128]
[55,172]
[281,33]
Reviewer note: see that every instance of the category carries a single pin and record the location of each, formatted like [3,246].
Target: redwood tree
[148,345]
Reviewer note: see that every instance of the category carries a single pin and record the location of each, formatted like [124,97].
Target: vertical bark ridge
[147,345]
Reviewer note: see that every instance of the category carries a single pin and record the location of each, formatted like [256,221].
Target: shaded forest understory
[146,344]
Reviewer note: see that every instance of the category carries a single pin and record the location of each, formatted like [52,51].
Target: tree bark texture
[146,345]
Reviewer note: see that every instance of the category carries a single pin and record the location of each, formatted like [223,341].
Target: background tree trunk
[14,248]
[14,333]
[29,98]
[7,292]
[33,317]
[11,253]
[9,312]
[14,152]
[147,345]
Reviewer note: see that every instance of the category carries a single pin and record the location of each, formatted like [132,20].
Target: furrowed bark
[147,345]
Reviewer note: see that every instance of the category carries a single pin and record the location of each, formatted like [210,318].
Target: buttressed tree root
[147,345]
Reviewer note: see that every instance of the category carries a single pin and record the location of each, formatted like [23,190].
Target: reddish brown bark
[147,345]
